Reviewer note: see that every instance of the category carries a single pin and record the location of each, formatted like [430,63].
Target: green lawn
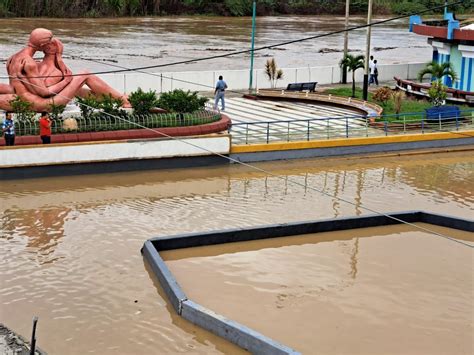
[409,104]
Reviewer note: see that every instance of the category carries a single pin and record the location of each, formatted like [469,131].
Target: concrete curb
[232,331]
[167,281]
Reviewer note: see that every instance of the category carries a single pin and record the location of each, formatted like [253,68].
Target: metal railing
[347,127]
[103,122]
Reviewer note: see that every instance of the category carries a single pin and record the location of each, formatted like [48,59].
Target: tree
[272,72]
[438,71]
[353,63]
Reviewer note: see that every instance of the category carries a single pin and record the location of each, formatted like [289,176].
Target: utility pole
[367,52]
[254,15]
[346,43]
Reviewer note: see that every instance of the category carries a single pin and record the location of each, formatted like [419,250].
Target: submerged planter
[442,113]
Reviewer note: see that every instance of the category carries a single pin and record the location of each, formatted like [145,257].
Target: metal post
[346,43]
[254,14]
[347,127]
[33,336]
[367,52]
[308,131]
[268,132]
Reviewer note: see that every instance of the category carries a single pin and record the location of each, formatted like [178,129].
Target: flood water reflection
[70,247]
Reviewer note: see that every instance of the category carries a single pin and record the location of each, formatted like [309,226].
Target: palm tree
[353,63]
[438,71]
[272,72]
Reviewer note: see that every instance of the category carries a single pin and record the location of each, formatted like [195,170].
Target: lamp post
[254,15]
[367,53]
[346,43]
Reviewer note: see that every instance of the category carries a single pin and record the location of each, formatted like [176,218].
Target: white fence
[239,79]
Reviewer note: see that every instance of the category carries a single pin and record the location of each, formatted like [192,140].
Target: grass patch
[409,105]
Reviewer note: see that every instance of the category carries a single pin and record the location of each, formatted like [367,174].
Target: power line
[277,176]
[256,49]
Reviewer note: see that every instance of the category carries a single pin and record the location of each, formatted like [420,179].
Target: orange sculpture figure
[49,81]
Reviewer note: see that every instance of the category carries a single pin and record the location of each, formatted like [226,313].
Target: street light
[346,43]
[367,52]
[254,15]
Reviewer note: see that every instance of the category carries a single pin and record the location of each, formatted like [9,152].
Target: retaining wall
[239,79]
[112,156]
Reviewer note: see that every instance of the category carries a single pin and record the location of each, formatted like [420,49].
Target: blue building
[452,43]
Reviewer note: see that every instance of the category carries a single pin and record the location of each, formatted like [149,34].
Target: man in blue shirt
[220,93]
[8,129]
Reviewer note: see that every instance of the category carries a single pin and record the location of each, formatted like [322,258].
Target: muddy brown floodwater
[97,44]
[386,290]
[70,247]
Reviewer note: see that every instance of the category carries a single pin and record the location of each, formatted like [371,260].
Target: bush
[111,105]
[22,109]
[437,93]
[142,101]
[272,72]
[398,97]
[56,111]
[105,103]
[181,101]
[382,95]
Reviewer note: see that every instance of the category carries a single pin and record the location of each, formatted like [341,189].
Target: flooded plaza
[349,292]
[70,250]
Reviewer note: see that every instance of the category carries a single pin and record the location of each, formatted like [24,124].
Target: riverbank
[57,8]
[14,344]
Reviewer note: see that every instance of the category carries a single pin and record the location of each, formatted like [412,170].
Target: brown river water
[96,44]
[70,249]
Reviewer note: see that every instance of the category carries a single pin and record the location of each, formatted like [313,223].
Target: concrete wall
[113,151]
[239,79]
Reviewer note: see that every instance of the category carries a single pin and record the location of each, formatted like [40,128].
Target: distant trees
[97,8]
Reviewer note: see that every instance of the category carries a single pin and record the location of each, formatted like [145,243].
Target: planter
[442,113]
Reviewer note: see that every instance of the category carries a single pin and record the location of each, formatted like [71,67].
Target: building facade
[451,42]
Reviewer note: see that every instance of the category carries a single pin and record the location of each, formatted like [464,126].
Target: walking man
[45,128]
[219,93]
[8,129]
[372,70]
[376,73]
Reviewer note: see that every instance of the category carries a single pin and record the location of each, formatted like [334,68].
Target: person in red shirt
[45,128]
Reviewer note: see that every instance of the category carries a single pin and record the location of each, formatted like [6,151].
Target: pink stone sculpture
[49,81]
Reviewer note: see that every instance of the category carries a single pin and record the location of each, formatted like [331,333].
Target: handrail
[348,127]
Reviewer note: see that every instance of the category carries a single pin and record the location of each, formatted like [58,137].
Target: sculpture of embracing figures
[49,81]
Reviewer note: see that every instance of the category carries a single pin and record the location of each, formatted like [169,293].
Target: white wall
[239,79]
[112,151]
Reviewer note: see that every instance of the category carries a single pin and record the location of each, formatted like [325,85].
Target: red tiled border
[222,125]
